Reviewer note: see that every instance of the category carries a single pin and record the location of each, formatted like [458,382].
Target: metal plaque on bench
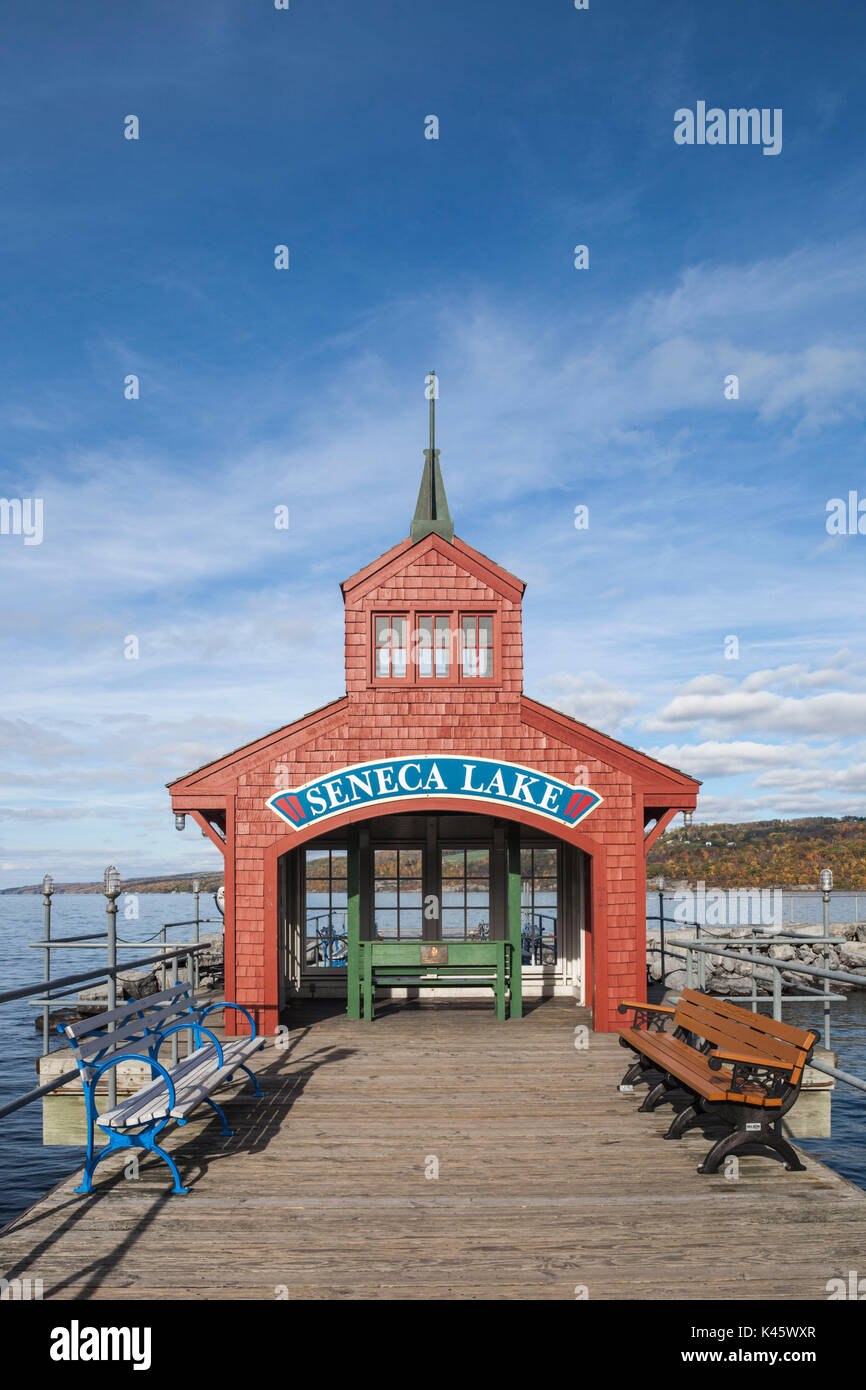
[434,955]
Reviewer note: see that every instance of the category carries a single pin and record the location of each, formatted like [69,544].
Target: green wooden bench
[437,964]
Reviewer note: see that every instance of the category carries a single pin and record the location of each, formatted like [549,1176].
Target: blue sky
[602,387]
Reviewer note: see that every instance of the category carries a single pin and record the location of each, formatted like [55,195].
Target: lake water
[28,1169]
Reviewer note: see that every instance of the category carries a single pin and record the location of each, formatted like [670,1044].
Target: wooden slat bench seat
[136,1032]
[736,1065]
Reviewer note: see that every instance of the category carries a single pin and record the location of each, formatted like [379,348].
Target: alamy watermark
[846,516]
[22,516]
[732,907]
[738,125]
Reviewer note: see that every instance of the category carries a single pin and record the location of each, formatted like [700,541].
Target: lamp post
[111,889]
[47,890]
[826,890]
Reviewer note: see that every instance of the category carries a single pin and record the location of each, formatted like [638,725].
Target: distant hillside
[765,854]
[164,883]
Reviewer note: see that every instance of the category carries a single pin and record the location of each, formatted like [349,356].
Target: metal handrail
[106,972]
[797,967]
[102,973]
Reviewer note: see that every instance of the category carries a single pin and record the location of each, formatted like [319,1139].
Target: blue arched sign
[484,780]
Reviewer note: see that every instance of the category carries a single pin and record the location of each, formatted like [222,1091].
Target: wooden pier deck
[548,1181]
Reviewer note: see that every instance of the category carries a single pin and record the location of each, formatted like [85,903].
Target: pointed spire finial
[431,512]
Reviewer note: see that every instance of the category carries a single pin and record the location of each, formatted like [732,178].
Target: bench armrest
[721,1055]
[651,1015]
[195,1026]
[156,1069]
[646,1008]
[226,1005]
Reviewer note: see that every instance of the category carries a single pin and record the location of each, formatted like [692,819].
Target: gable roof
[457,551]
[653,776]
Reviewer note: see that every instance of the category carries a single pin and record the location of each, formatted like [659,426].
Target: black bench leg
[638,1071]
[683,1120]
[657,1094]
[767,1137]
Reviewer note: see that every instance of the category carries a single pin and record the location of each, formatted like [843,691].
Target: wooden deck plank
[548,1179]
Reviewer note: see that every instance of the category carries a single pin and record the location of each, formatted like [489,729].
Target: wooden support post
[502,951]
[369,997]
[353,925]
[516,1009]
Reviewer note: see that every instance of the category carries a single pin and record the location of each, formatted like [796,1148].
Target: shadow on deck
[437,1154]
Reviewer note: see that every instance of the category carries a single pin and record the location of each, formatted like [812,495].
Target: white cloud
[587,697]
[714,758]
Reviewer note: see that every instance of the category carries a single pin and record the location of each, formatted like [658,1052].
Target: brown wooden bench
[737,1065]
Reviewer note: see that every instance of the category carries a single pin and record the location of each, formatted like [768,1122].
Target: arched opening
[435,873]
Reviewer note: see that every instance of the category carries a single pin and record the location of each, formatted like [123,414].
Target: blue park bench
[135,1032]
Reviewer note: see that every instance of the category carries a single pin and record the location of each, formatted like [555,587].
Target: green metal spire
[431,511]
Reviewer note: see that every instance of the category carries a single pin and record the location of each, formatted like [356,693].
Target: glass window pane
[410,925]
[425,647]
[399,653]
[452,863]
[539,906]
[443,647]
[410,863]
[470,653]
[385,924]
[545,861]
[453,928]
[326,907]
[478,863]
[485,646]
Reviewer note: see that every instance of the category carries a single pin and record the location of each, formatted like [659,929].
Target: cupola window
[392,653]
[477,646]
[446,647]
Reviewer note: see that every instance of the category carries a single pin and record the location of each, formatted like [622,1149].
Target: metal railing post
[112,890]
[826,884]
[47,890]
[175,1036]
[662,928]
[777,994]
[690,968]
[196,888]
